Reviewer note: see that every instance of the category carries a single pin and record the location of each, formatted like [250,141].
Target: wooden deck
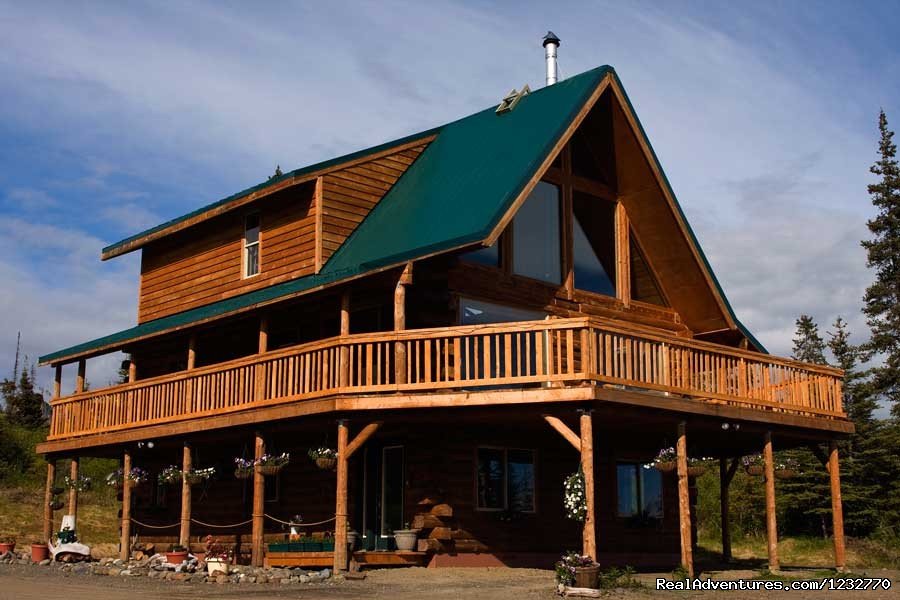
[395,558]
[533,355]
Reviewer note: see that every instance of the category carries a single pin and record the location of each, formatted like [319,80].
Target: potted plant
[135,477]
[195,476]
[271,464]
[575,570]
[169,476]
[697,466]
[574,498]
[7,544]
[243,468]
[325,458]
[216,555]
[177,555]
[405,538]
[39,552]
[754,464]
[665,460]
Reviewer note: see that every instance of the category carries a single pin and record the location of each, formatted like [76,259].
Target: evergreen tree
[882,298]
[24,404]
[808,344]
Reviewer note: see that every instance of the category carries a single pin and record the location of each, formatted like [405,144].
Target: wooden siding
[349,194]
[203,264]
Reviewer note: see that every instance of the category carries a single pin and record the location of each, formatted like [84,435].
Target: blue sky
[117,116]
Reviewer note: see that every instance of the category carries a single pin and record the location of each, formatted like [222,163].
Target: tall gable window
[594,238]
[251,245]
[536,239]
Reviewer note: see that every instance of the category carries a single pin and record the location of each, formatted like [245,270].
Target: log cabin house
[467,315]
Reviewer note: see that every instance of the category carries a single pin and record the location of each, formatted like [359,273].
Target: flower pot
[785,473]
[755,470]
[406,539]
[216,565]
[326,463]
[269,470]
[665,467]
[587,577]
[7,547]
[243,473]
[696,471]
[176,558]
[39,552]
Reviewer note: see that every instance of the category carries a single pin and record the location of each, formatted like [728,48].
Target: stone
[304,579]
[45,562]
[220,579]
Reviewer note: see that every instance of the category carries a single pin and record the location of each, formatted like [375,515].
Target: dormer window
[251,245]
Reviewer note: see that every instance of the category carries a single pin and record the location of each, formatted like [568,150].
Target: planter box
[587,577]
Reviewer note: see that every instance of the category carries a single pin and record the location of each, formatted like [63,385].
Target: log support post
[48,500]
[57,382]
[125,540]
[771,524]
[684,501]
[345,450]
[584,443]
[837,509]
[79,378]
[263,334]
[132,369]
[400,323]
[73,491]
[344,369]
[192,352]
[259,492]
[726,474]
[184,535]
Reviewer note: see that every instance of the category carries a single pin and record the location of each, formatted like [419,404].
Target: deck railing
[552,353]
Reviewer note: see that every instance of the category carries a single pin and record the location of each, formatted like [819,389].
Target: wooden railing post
[184,535]
[684,501]
[259,491]
[400,357]
[344,369]
[771,525]
[837,509]
[125,539]
[48,501]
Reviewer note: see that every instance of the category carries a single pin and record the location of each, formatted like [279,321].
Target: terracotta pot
[176,558]
[325,463]
[587,577]
[7,547]
[755,470]
[665,467]
[39,552]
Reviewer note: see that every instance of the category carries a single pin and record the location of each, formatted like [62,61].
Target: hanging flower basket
[574,498]
[785,473]
[665,460]
[196,476]
[788,469]
[243,473]
[696,470]
[271,464]
[135,477]
[80,483]
[56,505]
[169,476]
[665,467]
[754,465]
[243,468]
[325,458]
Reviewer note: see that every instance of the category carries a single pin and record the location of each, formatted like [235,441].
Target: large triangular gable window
[594,244]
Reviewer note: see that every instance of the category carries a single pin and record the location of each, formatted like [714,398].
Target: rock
[304,579]
[81,569]
[324,573]
[45,562]
[220,579]
[286,581]
[118,562]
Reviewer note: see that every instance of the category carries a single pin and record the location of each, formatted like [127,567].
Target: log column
[726,474]
[837,510]
[344,370]
[125,540]
[132,369]
[589,533]
[684,501]
[259,493]
[771,525]
[48,499]
[73,491]
[184,536]
[400,323]
[340,505]
[79,378]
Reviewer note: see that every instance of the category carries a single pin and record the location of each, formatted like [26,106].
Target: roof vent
[551,44]
[512,98]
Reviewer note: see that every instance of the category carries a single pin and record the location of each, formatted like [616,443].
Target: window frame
[505,450]
[509,264]
[639,499]
[245,247]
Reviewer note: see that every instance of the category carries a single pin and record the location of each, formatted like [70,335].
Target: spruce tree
[808,344]
[24,404]
[882,298]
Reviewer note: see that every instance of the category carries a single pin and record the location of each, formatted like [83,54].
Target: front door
[383,481]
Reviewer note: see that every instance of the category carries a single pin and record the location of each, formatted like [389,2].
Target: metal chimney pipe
[551,43]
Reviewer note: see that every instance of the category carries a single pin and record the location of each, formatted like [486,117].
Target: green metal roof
[454,194]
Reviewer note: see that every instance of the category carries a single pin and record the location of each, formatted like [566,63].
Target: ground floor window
[505,479]
[639,491]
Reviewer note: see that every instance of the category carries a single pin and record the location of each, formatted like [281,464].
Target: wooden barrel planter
[326,463]
[664,467]
[587,577]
